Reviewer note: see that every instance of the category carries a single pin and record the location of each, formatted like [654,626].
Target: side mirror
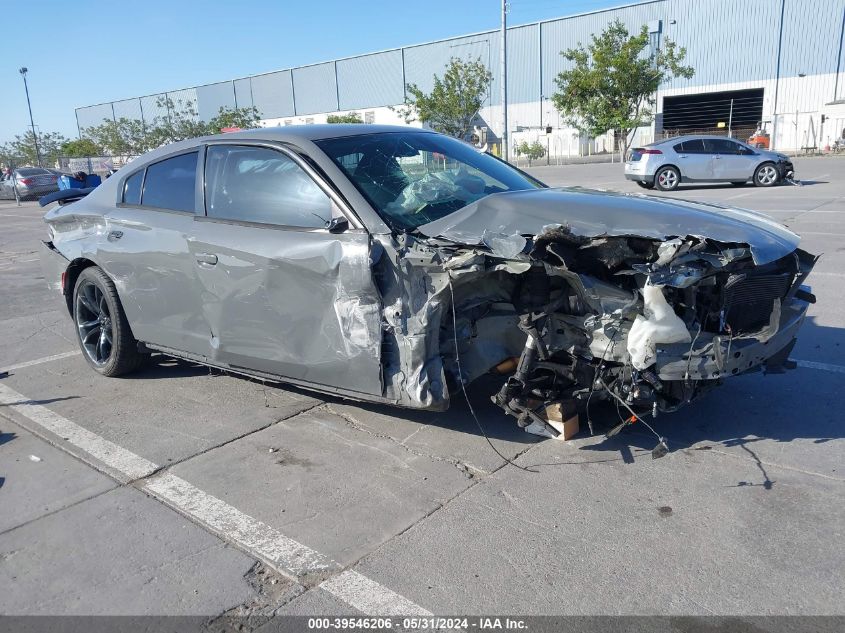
[337,225]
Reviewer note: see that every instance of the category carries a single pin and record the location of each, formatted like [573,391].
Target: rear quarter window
[132,188]
[171,183]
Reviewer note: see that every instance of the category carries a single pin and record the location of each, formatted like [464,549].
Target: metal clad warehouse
[777,61]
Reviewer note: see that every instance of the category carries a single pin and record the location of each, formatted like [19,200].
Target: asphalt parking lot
[179,490]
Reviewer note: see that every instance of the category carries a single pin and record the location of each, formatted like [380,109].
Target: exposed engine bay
[649,323]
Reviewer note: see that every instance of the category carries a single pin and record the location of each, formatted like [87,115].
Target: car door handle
[207,258]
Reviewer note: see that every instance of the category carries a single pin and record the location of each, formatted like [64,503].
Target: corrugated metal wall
[566,33]
[727,42]
[370,80]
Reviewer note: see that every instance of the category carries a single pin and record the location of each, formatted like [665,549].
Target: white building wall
[795,120]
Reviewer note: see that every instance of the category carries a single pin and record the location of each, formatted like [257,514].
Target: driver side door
[286,291]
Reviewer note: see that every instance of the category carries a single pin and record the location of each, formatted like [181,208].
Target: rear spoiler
[64,196]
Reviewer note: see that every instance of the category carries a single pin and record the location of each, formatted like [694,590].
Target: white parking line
[286,555]
[125,462]
[38,361]
[818,273]
[292,558]
[369,596]
[810,364]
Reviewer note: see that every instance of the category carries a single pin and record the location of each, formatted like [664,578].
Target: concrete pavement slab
[165,412]
[313,602]
[451,435]
[791,420]
[590,536]
[37,479]
[119,553]
[33,336]
[327,484]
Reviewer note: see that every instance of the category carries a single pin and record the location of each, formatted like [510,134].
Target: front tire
[667,179]
[103,333]
[766,175]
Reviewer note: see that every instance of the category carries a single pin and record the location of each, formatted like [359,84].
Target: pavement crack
[469,470]
[271,593]
[273,422]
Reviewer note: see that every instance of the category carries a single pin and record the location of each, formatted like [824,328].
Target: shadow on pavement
[798,404]
[7,437]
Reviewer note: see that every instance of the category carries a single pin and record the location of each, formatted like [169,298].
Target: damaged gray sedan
[396,265]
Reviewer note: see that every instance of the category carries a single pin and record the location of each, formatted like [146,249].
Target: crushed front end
[648,323]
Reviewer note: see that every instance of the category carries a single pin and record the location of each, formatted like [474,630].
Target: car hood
[590,213]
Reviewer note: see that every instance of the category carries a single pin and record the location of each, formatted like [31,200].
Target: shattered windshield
[415,178]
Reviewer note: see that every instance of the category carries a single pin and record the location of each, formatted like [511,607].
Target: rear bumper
[28,192]
[718,356]
[639,177]
[53,265]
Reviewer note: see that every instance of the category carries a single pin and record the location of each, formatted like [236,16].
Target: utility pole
[503,62]
[23,72]
[730,120]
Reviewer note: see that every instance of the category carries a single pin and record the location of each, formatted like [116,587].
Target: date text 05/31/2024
[431,623]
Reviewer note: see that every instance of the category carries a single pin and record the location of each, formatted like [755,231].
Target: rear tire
[766,175]
[667,179]
[645,185]
[102,331]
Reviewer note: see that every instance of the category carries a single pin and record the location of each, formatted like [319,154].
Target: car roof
[319,131]
[693,137]
[295,134]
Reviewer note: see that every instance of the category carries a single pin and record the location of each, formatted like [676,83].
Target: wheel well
[71,275]
[675,167]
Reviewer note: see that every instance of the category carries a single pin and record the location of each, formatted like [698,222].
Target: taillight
[650,151]
[63,280]
[26,181]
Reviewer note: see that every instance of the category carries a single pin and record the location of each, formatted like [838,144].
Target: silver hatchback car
[666,164]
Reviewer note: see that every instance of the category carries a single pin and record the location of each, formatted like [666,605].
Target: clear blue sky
[90,51]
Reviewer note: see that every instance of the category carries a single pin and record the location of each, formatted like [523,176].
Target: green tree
[81,148]
[124,137]
[454,101]
[243,118]
[177,122]
[613,81]
[352,117]
[21,151]
[532,152]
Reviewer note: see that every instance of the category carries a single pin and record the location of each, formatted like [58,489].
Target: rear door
[694,160]
[146,254]
[284,294]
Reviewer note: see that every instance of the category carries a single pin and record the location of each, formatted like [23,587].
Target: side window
[694,146]
[256,184]
[170,183]
[132,188]
[721,146]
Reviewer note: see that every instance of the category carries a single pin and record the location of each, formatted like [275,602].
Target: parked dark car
[394,265]
[30,182]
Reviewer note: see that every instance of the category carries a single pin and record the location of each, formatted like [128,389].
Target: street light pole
[23,72]
[503,63]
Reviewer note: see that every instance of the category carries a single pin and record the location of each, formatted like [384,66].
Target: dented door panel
[145,252]
[294,303]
